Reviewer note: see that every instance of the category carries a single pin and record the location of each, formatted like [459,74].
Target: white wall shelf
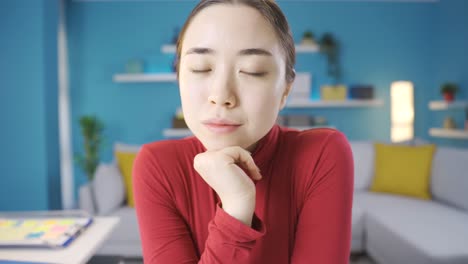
[170,49]
[449,133]
[185,132]
[336,103]
[442,105]
[145,77]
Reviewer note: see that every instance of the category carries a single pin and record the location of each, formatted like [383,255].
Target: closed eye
[256,74]
[201,71]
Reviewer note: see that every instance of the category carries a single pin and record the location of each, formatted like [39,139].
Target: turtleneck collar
[266,147]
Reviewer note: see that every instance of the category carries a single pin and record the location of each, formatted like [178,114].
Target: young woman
[243,189]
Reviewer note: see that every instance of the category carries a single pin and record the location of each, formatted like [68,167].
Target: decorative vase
[449,97]
[449,123]
[86,198]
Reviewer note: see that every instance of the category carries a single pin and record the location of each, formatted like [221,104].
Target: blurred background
[375,70]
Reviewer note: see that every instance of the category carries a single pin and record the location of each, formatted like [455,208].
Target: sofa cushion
[403,170]
[450,177]
[127,229]
[124,155]
[358,217]
[125,162]
[108,188]
[363,155]
[406,230]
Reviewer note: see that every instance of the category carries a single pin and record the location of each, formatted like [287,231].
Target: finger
[243,157]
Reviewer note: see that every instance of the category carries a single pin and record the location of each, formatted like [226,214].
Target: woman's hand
[229,172]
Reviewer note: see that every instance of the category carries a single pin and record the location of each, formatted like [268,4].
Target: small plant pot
[449,97]
[308,42]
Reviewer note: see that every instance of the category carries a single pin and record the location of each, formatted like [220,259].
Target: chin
[212,142]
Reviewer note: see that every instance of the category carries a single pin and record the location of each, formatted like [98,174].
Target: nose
[222,92]
[226,101]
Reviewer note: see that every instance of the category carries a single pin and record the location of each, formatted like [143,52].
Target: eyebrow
[244,52]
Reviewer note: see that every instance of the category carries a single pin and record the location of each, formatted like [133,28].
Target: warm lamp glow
[402,111]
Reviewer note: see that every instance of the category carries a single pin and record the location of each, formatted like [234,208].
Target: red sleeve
[165,236]
[323,232]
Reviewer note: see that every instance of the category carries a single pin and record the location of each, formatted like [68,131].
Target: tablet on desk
[50,229]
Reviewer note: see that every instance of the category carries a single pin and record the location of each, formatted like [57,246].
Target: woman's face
[232,76]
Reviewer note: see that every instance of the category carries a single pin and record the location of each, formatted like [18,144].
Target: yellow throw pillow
[125,162]
[404,170]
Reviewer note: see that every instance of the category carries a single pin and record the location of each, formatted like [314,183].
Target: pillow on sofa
[403,170]
[363,156]
[125,155]
[108,188]
[449,176]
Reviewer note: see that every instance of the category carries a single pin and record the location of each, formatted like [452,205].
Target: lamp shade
[402,111]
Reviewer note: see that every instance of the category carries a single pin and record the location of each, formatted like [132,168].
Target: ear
[285,95]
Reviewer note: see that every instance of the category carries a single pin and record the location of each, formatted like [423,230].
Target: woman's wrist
[242,208]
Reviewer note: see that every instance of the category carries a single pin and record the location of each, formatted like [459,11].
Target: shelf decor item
[333,92]
[329,47]
[308,39]
[449,123]
[361,91]
[134,66]
[320,121]
[301,86]
[448,90]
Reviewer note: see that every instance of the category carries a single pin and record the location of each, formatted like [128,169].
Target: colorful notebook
[42,229]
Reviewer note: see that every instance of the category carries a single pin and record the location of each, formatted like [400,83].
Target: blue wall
[381,43]
[28,106]
[450,38]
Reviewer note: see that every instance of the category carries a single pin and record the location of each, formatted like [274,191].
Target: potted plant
[335,91]
[308,38]
[329,47]
[448,90]
[91,130]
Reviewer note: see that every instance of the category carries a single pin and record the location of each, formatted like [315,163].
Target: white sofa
[399,229]
[389,228]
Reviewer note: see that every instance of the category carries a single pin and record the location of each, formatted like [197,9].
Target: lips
[220,126]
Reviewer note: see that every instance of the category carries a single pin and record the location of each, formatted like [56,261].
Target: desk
[79,251]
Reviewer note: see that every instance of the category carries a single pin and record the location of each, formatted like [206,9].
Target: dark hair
[270,11]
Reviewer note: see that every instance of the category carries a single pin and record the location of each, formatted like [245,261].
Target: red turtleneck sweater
[302,213]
